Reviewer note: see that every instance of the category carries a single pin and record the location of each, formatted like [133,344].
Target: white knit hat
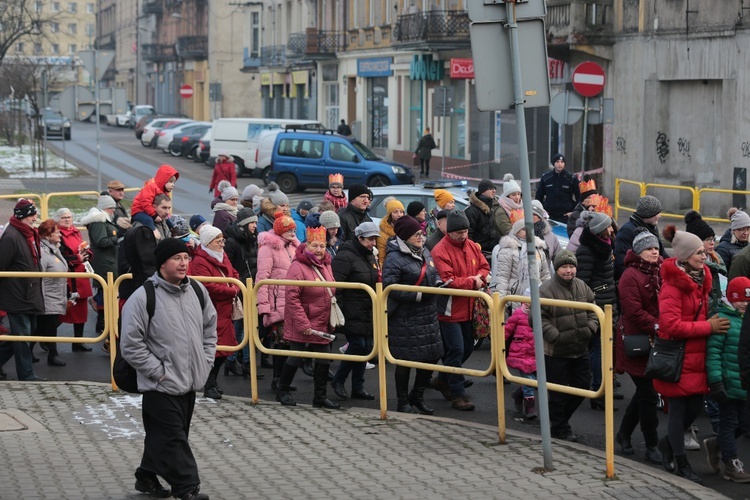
[510,186]
[209,234]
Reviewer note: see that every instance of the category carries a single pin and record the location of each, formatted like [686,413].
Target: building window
[19,47]
[377,110]
[73,7]
[37,6]
[55,6]
[72,28]
[89,29]
[55,48]
[54,27]
[72,48]
[37,48]
[255,35]
[89,8]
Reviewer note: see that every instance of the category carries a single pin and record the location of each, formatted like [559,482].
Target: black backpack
[125,375]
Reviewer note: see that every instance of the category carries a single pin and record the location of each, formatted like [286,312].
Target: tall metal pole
[98,123]
[65,156]
[536,312]
[44,133]
[445,113]
[585,127]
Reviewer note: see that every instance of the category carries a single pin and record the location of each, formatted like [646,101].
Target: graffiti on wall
[662,146]
[683,145]
[745,147]
[622,145]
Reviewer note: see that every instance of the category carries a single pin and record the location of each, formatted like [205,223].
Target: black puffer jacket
[596,267]
[413,328]
[242,250]
[479,213]
[353,263]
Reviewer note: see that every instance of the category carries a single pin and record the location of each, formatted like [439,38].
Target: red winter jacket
[680,300]
[638,290]
[458,261]
[144,200]
[221,294]
[307,307]
[223,171]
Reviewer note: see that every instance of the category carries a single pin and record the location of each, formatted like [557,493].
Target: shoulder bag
[666,357]
[636,345]
[337,317]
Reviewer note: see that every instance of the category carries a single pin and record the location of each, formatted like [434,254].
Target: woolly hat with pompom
[283,223]
[684,244]
[695,224]
[275,195]
[510,186]
[644,239]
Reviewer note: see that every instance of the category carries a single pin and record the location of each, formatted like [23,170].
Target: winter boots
[285,378]
[320,380]
[402,392]
[416,396]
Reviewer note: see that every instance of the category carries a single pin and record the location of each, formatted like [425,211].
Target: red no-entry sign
[186,91]
[588,79]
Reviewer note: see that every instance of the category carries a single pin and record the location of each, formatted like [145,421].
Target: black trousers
[166,451]
[642,410]
[574,372]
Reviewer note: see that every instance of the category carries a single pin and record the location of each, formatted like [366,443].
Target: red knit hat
[283,223]
[738,289]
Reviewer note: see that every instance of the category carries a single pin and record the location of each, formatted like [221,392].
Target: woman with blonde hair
[394,211]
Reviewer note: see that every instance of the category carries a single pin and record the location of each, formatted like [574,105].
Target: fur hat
[598,222]
[25,208]
[167,248]
[209,234]
[644,239]
[229,192]
[695,224]
[457,221]
[415,208]
[510,186]
[275,195]
[738,289]
[684,244]
[648,206]
[406,227]
[105,201]
[443,197]
[283,223]
[484,185]
[740,219]
[565,257]
[329,219]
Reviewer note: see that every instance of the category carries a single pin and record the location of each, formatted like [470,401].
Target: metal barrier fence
[380,349]
[695,197]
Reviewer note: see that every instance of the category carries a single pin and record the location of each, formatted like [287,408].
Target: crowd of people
[257,234]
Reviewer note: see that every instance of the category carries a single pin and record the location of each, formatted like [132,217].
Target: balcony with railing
[152,7]
[158,52]
[579,22]
[273,55]
[314,44]
[435,29]
[192,47]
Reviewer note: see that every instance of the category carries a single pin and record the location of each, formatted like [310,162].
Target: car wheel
[195,154]
[175,151]
[266,175]
[378,181]
[287,183]
[145,144]
[239,167]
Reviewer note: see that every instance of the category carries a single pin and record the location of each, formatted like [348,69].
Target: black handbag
[665,360]
[637,346]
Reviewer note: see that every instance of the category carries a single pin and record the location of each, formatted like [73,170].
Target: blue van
[306,159]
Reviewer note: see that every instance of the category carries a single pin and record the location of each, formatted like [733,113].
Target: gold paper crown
[336,178]
[586,186]
[516,215]
[601,204]
[316,234]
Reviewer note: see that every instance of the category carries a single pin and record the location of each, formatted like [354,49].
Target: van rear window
[301,148]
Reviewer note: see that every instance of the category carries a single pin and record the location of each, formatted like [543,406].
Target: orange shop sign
[462,68]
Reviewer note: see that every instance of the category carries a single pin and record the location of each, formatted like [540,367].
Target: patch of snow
[17,163]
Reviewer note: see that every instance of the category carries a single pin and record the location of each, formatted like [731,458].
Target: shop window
[377,111]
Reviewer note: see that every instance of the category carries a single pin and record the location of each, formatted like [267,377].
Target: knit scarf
[31,236]
[650,269]
[213,253]
[539,227]
[696,275]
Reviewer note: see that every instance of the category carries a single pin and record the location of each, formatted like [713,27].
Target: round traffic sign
[588,79]
[186,91]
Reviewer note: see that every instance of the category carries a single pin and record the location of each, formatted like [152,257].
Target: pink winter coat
[521,354]
[275,255]
[307,307]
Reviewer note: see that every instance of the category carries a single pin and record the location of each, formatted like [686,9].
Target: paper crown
[586,186]
[316,234]
[336,178]
[601,204]
[516,215]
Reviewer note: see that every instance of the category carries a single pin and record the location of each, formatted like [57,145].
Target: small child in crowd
[521,358]
[335,193]
[143,203]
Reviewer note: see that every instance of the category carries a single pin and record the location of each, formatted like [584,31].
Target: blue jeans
[242,356]
[733,423]
[595,355]
[528,391]
[458,342]
[144,219]
[20,324]
[359,345]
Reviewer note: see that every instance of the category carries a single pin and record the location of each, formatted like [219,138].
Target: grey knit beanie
[598,222]
[740,219]
[644,239]
[647,206]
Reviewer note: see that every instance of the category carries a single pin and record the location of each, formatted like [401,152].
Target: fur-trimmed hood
[478,202]
[95,215]
[512,242]
[273,240]
[268,208]
[676,276]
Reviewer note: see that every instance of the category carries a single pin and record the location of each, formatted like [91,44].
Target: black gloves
[718,393]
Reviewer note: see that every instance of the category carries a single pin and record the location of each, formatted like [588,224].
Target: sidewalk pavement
[82,440]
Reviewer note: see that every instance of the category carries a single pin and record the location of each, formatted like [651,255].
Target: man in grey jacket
[173,353]
[566,333]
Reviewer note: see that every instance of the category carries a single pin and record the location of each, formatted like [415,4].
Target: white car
[149,130]
[167,134]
